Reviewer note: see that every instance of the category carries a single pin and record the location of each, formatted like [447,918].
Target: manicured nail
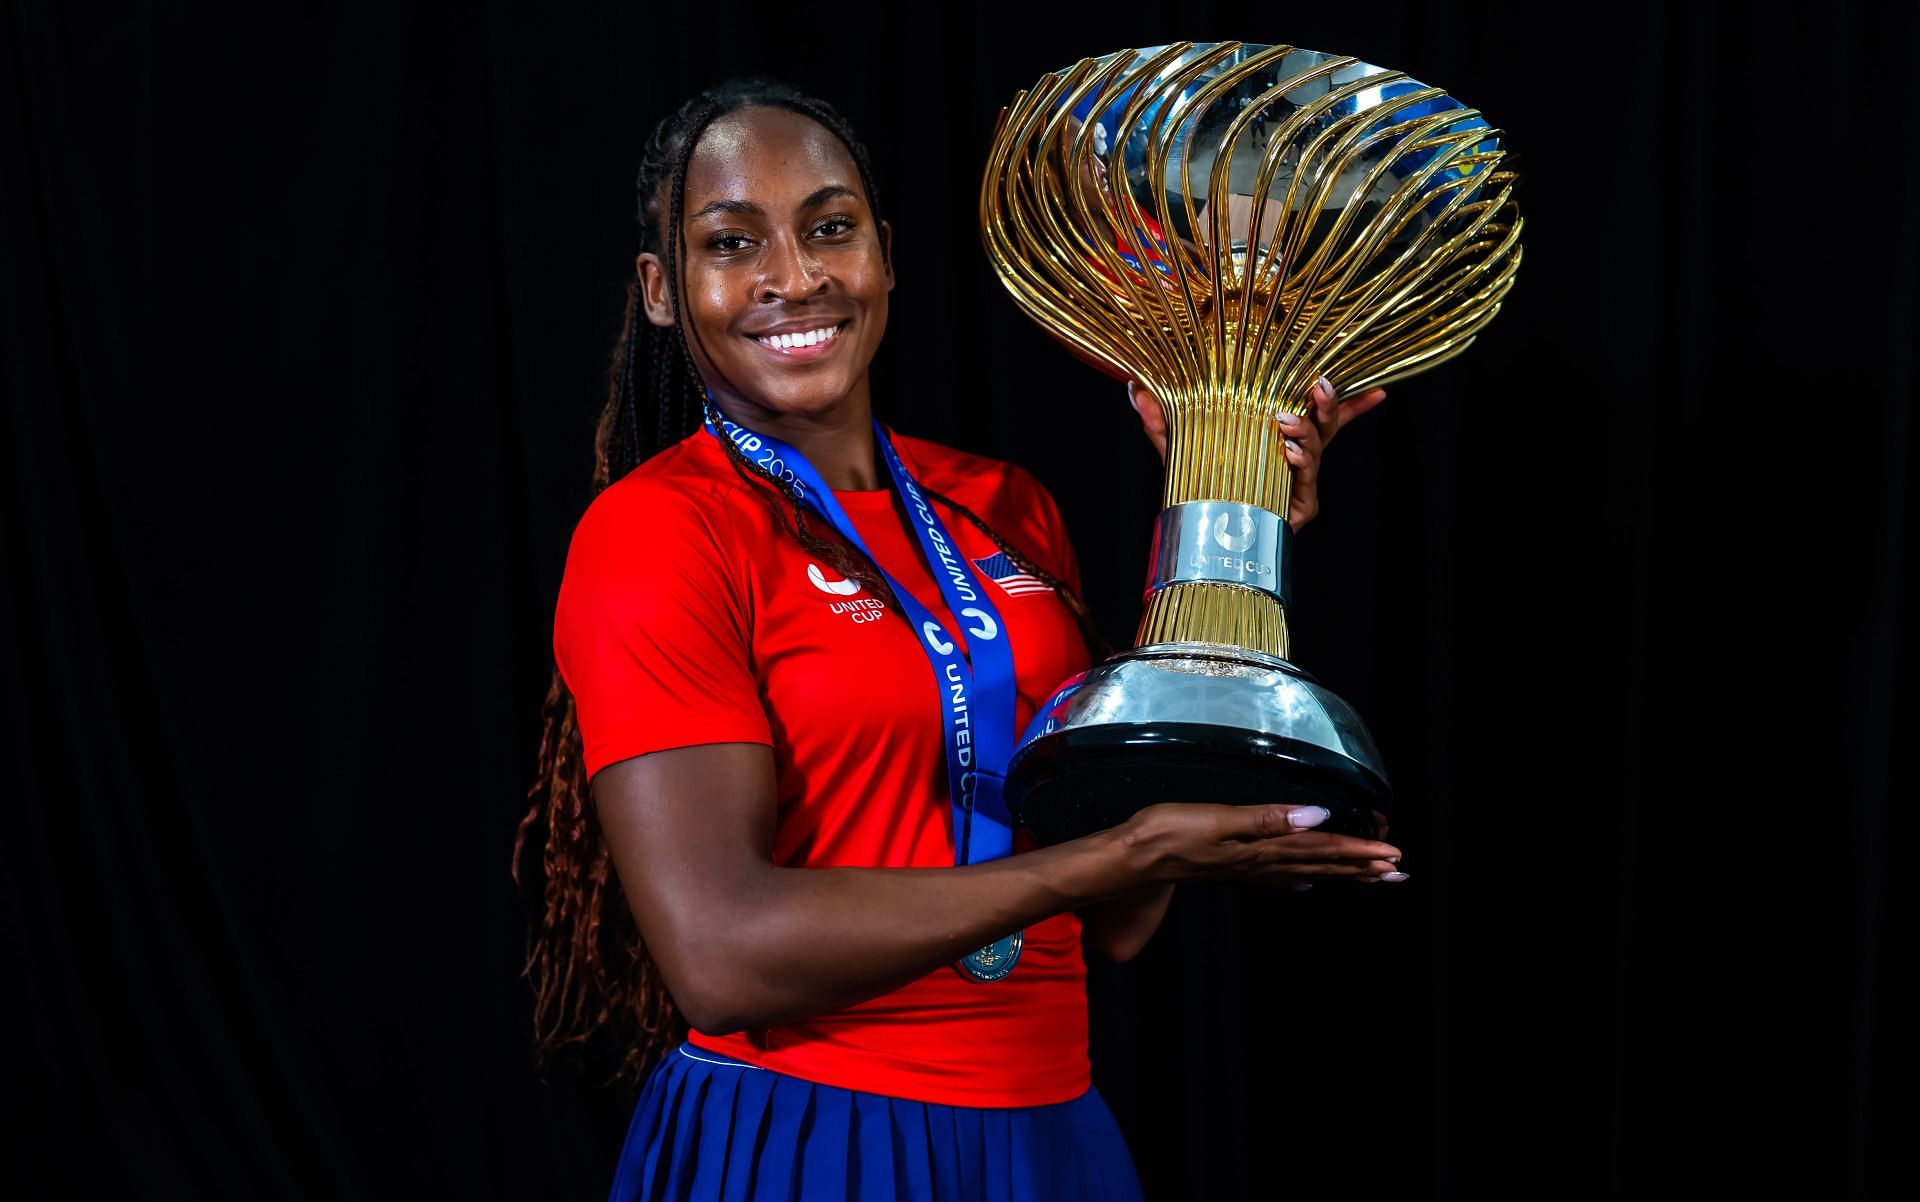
[1293,446]
[1393,876]
[1289,419]
[1324,387]
[1308,815]
[1302,887]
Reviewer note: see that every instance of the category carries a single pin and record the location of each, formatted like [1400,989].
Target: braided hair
[589,966]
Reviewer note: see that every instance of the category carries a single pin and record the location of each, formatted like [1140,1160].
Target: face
[783,269]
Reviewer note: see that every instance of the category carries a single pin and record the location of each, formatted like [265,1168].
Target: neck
[838,443]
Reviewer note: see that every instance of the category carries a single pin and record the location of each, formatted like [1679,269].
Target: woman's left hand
[1306,437]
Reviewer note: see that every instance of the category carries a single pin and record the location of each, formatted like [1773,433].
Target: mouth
[811,343]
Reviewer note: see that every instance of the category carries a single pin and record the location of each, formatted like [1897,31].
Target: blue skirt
[707,1127]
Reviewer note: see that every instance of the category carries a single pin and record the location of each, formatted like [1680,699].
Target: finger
[1383,870]
[1379,825]
[1146,405]
[1153,418]
[1271,821]
[1325,409]
[1355,406]
[1326,870]
[1366,871]
[1303,456]
[1304,441]
[1320,845]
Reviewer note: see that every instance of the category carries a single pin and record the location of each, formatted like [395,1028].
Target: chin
[792,399]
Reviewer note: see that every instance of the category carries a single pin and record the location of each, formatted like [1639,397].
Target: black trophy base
[1078,781]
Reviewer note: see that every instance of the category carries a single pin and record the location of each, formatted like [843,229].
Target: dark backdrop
[305,320]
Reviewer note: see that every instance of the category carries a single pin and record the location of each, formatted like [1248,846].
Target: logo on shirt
[837,588]
[857,609]
[1007,574]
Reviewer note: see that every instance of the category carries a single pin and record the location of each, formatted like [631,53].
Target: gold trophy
[1226,223]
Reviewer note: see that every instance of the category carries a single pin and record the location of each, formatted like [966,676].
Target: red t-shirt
[686,616]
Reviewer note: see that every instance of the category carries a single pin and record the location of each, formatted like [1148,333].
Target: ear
[886,250]
[655,295]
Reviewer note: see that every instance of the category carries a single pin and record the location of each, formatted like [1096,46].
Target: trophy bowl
[1226,223]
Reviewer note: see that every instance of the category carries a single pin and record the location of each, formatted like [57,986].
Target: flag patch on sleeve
[1007,574]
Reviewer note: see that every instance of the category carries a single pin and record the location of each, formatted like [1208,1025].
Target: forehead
[769,156]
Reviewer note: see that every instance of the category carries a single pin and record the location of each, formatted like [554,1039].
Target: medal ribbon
[976,699]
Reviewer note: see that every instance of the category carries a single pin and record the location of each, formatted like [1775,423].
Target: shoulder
[683,495]
[1004,495]
[975,481]
[665,537]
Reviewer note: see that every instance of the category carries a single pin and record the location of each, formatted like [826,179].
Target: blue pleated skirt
[709,1127]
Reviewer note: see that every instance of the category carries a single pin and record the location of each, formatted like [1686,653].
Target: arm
[742,943]
[1117,930]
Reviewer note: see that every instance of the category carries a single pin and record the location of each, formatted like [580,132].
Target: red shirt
[687,616]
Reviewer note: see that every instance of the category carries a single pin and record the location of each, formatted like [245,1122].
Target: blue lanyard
[976,700]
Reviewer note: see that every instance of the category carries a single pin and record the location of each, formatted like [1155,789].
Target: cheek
[711,314]
[877,314]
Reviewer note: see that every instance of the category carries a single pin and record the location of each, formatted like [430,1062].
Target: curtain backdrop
[305,320]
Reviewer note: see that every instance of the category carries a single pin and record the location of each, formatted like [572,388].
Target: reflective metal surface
[1221,542]
[1226,223]
[1207,686]
[1255,215]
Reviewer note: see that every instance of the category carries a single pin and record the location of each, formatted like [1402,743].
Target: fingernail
[1289,419]
[1324,387]
[1393,876]
[1293,446]
[1308,815]
[1302,887]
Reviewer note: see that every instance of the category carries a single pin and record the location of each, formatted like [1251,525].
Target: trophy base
[1198,723]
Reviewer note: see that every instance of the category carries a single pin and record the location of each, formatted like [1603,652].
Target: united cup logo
[1233,536]
[836,588]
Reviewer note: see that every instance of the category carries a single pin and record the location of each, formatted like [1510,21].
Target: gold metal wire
[1226,344]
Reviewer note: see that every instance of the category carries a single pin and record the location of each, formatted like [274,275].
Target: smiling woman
[786,271]
[769,782]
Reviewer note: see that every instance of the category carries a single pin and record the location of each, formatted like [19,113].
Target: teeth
[806,338]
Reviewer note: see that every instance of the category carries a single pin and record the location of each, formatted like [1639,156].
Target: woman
[886,993]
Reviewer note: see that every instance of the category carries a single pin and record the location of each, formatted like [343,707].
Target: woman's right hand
[1197,841]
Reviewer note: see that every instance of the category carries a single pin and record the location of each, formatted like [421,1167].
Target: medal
[976,690]
[993,961]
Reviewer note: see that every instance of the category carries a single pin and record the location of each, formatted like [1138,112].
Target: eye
[833,227]
[728,243]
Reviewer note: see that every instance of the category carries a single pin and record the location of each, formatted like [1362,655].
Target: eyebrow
[748,208]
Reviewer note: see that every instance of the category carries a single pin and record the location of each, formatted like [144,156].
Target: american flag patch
[1007,574]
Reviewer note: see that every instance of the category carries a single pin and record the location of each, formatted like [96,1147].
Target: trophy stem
[1227,448]
[1222,447]
[1214,613]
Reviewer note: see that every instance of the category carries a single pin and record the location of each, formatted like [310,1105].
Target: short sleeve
[651,629]
[1055,546]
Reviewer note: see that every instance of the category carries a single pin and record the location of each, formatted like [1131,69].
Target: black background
[305,320]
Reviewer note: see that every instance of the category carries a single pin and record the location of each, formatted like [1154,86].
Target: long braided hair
[586,960]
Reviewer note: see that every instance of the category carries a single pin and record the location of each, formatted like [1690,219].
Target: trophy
[1226,223]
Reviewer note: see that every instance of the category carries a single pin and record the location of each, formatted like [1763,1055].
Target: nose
[791,271]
